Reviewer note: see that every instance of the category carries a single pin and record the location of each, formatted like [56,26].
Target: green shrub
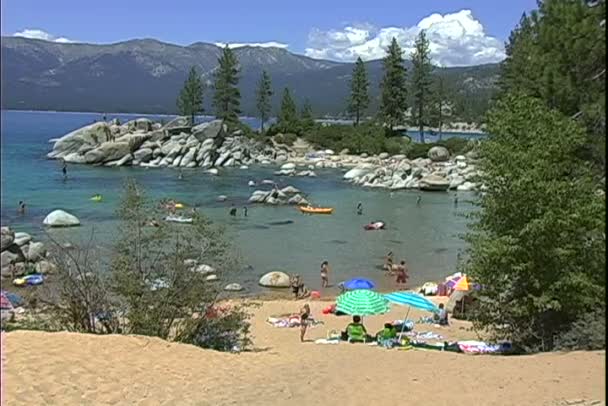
[587,333]
[287,139]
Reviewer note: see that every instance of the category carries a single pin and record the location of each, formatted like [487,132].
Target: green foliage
[307,121]
[369,138]
[393,86]
[359,97]
[558,54]
[263,96]
[586,333]
[538,243]
[439,113]
[227,97]
[151,287]
[287,139]
[455,145]
[288,120]
[190,100]
[421,83]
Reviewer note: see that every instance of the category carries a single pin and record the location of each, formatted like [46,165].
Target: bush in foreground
[150,286]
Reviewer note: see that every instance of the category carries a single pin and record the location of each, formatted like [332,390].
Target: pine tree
[438,109]
[421,82]
[190,99]
[263,95]
[306,117]
[393,86]
[359,98]
[227,97]
[288,116]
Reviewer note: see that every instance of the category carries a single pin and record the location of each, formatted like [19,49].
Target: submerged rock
[233,287]
[60,218]
[275,279]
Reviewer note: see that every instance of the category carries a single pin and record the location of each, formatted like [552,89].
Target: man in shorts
[402,273]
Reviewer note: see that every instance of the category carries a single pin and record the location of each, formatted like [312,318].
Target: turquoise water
[428,236]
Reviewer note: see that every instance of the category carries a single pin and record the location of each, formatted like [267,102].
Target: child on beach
[388,263]
[324,274]
[304,315]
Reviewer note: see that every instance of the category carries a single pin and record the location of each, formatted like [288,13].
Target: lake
[427,236]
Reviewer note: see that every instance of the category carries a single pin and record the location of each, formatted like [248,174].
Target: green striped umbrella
[362,302]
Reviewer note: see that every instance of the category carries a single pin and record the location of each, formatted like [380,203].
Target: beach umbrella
[411,299]
[359,283]
[361,302]
[462,284]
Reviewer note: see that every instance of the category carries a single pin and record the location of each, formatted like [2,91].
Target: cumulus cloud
[40,34]
[456,39]
[269,44]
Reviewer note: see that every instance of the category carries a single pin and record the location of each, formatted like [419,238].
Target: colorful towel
[293,321]
[479,347]
[423,335]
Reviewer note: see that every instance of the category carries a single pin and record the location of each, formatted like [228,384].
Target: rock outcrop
[275,279]
[19,253]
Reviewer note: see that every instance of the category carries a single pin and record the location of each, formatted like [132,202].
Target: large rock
[143,155]
[60,218]
[36,251]
[77,157]
[259,196]
[438,154]
[298,199]
[127,159]
[204,269]
[233,287]
[358,171]
[12,255]
[22,238]
[45,267]
[8,236]
[108,151]
[275,280]
[211,129]
[189,157]
[288,167]
[93,135]
[290,190]
[434,183]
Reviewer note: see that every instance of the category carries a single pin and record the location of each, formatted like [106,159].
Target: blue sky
[336,29]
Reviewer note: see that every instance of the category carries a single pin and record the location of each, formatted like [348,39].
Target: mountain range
[145,76]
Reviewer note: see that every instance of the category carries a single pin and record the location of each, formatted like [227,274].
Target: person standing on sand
[304,315]
[325,274]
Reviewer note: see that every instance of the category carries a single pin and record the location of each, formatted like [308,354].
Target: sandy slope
[75,369]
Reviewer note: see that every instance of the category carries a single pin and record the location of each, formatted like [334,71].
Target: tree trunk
[262,126]
[357,118]
[420,123]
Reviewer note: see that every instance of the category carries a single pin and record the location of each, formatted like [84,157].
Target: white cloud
[269,44]
[40,34]
[456,39]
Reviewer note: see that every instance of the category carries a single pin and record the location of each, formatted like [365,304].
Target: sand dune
[75,369]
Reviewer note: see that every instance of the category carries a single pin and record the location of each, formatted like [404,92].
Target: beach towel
[326,341]
[479,347]
[292,321]
[423,335]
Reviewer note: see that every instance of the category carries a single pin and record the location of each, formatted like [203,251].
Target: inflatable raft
[29,280]
[96,198]
[316,210]
[378,225]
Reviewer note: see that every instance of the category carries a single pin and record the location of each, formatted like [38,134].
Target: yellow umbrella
[462,284]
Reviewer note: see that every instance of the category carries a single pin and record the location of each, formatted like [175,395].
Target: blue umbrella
[412,300]
[359,283]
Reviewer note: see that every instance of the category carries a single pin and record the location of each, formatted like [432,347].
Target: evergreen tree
[288,116]
[438,109]
[359,98]
[421,82]
[538,244]
[306,117]
[393,86]
[227,97]
[190,99]
[263,95]
[558,54]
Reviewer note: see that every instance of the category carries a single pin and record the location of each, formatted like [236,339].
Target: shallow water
[427,236]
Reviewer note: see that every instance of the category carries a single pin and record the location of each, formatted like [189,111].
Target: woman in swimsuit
[304,315]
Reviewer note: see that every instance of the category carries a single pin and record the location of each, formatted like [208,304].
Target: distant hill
[145,76]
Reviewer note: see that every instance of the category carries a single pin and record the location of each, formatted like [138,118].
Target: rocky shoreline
[144,143]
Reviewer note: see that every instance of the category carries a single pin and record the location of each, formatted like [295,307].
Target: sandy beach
[75,369]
